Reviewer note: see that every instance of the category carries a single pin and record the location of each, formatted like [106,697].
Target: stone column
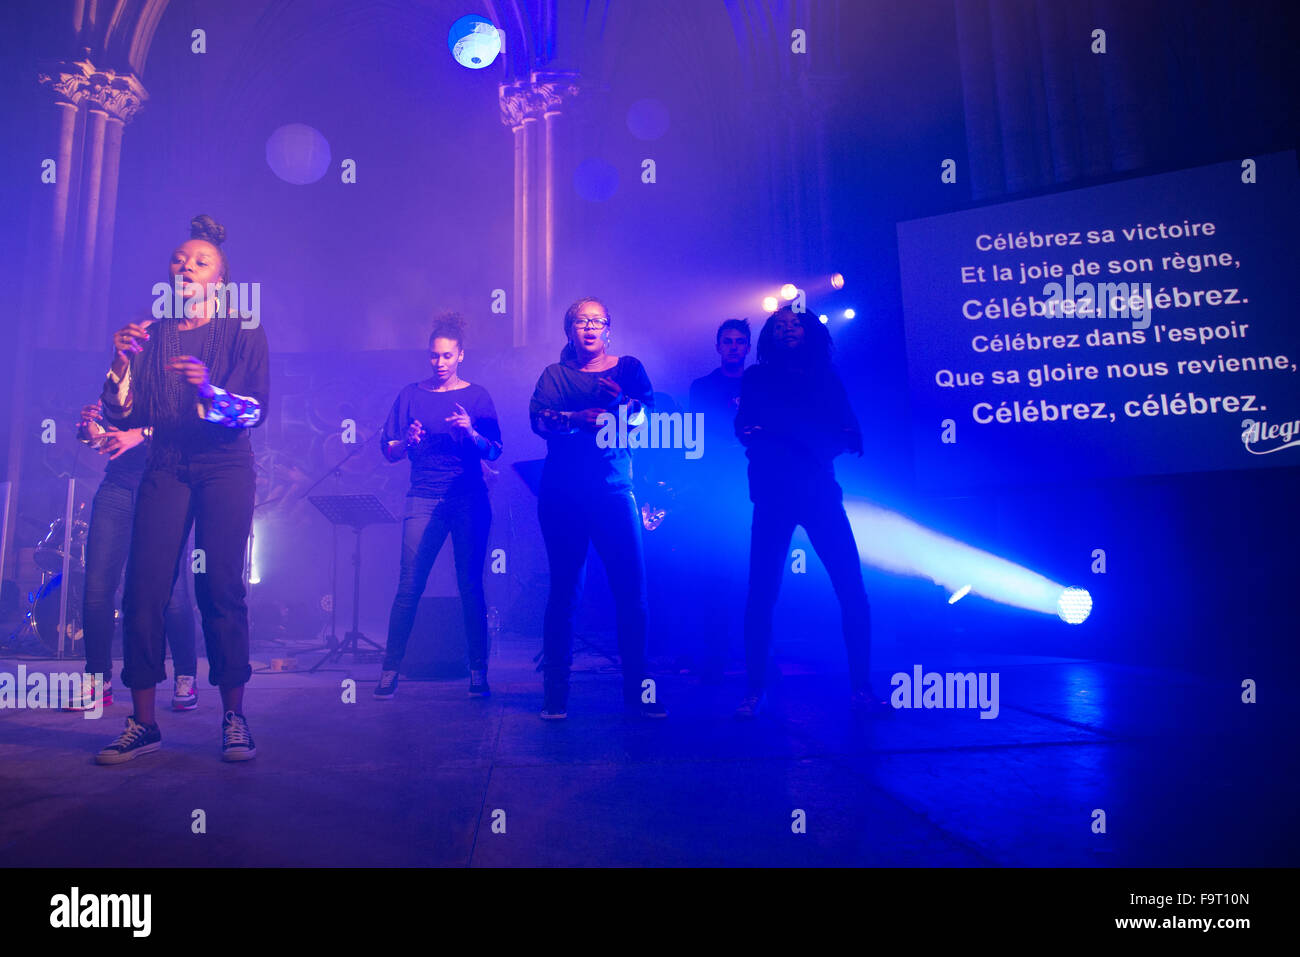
[75,274]
[532,109]
[69,261]
[120,98]
[78,327]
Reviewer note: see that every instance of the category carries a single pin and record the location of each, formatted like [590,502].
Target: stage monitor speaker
[437,646]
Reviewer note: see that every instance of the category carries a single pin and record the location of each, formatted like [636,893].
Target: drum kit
[43,615]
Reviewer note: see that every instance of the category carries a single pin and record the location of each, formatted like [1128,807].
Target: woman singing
[586,498]
[794,418]
[446,427]
[200,382]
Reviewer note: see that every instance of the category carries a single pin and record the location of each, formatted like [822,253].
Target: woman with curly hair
[447,427]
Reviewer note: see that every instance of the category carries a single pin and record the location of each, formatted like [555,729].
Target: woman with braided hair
[199,383]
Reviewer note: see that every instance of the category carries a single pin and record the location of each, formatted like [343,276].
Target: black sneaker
[556,707]
[641,709]
[236,742]
[864,703]
[635,705]
[478,686]
[387,685]
[136,740]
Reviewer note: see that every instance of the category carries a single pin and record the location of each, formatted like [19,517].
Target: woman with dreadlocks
[199,383]
[794,418]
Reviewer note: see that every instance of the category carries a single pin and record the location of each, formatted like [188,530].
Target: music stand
[356,512]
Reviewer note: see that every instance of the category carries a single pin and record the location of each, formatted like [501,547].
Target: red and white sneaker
[185,697]
[90,694]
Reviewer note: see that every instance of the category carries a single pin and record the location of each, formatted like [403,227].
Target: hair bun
[205,227]
[449,325]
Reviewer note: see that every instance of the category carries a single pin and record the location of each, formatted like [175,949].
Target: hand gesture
[115,443]
[414,434]
[192,369]
[461,426]
[586,419]
[90,425]
[92,412]
[554,420]
[611,391]
[130,339]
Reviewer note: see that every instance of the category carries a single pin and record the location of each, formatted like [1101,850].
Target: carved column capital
[120,95]
[533,98]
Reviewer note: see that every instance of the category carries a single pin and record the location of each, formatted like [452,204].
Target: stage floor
[1185,773]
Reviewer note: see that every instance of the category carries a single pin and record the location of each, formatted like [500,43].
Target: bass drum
[49,553]
[45,617]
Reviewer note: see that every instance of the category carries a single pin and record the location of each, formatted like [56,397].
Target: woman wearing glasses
[586,498]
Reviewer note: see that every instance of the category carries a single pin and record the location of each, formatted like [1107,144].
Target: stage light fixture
[893,543]
[1074,605]
[769,303]
[849,313]
[837,280]
[789,291]
[959,594]
[824,318]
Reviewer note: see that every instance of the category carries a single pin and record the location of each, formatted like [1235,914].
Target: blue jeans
[611,522]
[425,527]
[107,544]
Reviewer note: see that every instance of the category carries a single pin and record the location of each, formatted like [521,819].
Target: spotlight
[837,280]
[789,291]
[959,594]
[824,318]
[1074,605]
[849,313]
[769,303]
[894,543]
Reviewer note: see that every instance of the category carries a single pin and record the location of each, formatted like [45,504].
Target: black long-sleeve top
[804,420]
[575,462]
[441,465]
[241,382]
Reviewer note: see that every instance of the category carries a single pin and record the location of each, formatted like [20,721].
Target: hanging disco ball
[474,42]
